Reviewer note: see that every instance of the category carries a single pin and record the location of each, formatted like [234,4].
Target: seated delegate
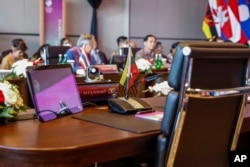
[81,54]
[17,52]
[147,52]
[99,56]
[65,42]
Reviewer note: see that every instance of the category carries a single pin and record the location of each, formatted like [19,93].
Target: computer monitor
[124,51]
[52,54]
[120,61]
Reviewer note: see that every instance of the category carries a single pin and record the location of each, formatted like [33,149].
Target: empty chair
[120,61]
[124,51]
[204,111]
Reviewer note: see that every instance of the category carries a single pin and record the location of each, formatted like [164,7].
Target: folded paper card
[154,115]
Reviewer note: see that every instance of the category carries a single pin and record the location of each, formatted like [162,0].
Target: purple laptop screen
[53,91]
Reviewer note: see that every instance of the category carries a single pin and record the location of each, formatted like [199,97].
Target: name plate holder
[98,91]
[107,68]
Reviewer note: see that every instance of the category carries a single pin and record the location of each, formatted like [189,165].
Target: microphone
[131,105]
[64,110]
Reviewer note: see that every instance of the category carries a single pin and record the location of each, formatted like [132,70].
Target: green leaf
[6,113]
[11,75]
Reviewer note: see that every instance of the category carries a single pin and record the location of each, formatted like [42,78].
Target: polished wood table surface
[68,142]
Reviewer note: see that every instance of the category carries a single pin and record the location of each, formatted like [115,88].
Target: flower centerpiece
[11,102]
[144,66]
[17,77]
[159,88]
[18,69]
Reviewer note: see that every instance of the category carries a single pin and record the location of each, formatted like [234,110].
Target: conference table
[67,142]
[137,90]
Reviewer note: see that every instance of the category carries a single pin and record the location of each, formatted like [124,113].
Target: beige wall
[169,20]
[20,18]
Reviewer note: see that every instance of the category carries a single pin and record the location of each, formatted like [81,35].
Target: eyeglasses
[46,115]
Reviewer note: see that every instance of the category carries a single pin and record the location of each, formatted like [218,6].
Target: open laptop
[54,91]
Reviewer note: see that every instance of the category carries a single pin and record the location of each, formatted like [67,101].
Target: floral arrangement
[18,69]
[144,65]
[11,102]
[159,88]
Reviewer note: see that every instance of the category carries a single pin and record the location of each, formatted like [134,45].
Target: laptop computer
[54,91]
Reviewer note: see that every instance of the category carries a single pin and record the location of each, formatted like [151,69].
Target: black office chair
[124,51]
[120,61]
[52,53]
[204,112]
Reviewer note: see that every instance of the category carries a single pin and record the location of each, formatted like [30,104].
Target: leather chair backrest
[174,79]
[196,65]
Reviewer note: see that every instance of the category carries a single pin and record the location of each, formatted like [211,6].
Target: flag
[238,35]
[130,72]
[244,17]
[211,26]
[215,15]
[208,25]
[224,20]
[229,19]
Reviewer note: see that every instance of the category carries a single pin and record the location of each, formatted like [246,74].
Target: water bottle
[158,62]
[64,59]
[60,59]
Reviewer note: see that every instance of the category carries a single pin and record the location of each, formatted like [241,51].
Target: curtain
[94,26]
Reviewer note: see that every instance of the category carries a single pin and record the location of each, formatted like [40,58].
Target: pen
[144,112]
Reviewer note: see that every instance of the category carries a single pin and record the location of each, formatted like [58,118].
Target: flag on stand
[208,25]
[130,72]
[228,19]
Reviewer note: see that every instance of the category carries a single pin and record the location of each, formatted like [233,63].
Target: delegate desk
[68,142]
[137,89]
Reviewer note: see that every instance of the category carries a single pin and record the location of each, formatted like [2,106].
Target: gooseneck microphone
[131,105]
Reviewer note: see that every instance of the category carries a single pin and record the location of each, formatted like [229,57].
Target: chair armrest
[217,93]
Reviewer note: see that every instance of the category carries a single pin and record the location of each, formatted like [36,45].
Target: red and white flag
[231,19]
[224,20]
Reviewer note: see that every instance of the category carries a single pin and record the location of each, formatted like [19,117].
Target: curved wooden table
[68,142]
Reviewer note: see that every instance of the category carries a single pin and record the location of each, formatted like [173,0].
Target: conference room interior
[170,21]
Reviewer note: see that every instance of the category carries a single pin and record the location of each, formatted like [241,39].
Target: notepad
[156,115]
